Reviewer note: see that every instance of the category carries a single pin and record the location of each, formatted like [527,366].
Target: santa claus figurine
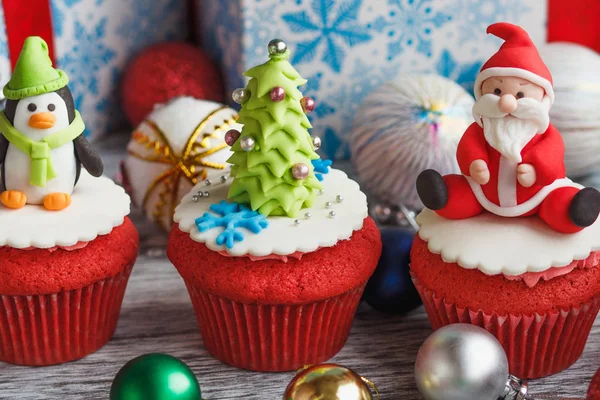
[511,157]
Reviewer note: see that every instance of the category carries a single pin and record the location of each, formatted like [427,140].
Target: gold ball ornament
[329,382]
[180,144]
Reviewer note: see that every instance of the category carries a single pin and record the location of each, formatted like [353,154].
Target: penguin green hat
[34,74]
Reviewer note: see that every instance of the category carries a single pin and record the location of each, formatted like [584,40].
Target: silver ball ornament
[240,95]
[195,198]
[277,46]
[316,141]
[207,182]
[223,178]
[331,214]
[206,194]
[300,171]
[296,222]
[328,204]
[308,215]
[461,361]
[247,143]
[339,198]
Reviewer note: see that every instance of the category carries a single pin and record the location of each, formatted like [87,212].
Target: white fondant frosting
[510,246]
[97,206]
[283,236]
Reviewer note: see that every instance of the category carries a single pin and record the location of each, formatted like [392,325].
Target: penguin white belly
[17,167]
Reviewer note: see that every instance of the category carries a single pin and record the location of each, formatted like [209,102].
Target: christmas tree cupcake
[66,245]
[276,253]
[512,245]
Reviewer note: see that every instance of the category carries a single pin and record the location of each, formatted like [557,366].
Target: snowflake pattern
[259,34]
[231,216]
[333,28]
[321,167]
[411,23]
[85,59]
[464,74]
[477,15]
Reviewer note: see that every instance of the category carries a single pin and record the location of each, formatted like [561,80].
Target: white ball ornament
[404,127]
[247,143]
[575,112]
[181,143]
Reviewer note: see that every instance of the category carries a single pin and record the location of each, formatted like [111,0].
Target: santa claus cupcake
[511,244]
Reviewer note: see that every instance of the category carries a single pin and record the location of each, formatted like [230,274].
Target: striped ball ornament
[575,112]
[407,126]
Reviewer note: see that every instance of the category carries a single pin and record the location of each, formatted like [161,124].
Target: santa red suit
[552,193]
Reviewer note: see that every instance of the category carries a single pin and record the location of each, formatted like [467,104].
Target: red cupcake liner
[279,337]
[536,345]
[57,328]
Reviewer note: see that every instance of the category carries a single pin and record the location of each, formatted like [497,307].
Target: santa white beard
[510,133]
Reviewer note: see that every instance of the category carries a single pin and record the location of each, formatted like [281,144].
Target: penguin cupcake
[66,245]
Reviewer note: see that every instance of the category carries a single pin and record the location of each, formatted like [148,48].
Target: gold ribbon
[191,165]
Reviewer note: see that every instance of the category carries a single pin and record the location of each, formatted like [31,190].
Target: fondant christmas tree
[272,157]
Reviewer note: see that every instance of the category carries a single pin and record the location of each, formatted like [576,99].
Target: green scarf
[39,152]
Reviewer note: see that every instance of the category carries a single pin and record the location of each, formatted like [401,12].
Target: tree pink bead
[277,93]
[300,171]
[308,104]
[232,136]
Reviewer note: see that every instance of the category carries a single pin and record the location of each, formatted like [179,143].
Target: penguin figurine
[42,145]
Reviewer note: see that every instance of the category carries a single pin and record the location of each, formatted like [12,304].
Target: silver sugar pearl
[277,46]
[328,204]
[200,194]
[331,214]
[223,178]
[321,192]
[307,215]
[207,182]
[206,194]
[296,222]
[247,143]
[339,198]
[240,95]
[195,198]
[316,141]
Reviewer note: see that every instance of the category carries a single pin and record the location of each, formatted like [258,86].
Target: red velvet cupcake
[268,308]
[536,290]
[277,258]
[63,274]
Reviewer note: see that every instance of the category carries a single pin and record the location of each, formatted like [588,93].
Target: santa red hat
[518,57]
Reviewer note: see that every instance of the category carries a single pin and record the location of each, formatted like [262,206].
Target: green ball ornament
[155,377]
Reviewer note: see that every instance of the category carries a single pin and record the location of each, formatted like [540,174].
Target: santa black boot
[432,189]
[585,207]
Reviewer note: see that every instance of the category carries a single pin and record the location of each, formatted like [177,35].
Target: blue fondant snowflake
[331,26]
[231,216]
[463,74]
[411,23]
[321,167]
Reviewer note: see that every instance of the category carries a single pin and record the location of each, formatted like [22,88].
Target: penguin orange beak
[43,120]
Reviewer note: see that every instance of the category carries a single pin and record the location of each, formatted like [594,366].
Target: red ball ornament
[277,93]
[167,70]
[308,104]
[594,390]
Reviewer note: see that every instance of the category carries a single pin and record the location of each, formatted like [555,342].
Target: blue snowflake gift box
[346,48]
[93,41]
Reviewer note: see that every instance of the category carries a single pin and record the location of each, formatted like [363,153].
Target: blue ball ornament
[391,289]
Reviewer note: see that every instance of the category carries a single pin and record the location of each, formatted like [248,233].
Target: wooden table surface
[157,316]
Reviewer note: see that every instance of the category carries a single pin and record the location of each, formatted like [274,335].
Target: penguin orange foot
[57,201]
[13,199]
